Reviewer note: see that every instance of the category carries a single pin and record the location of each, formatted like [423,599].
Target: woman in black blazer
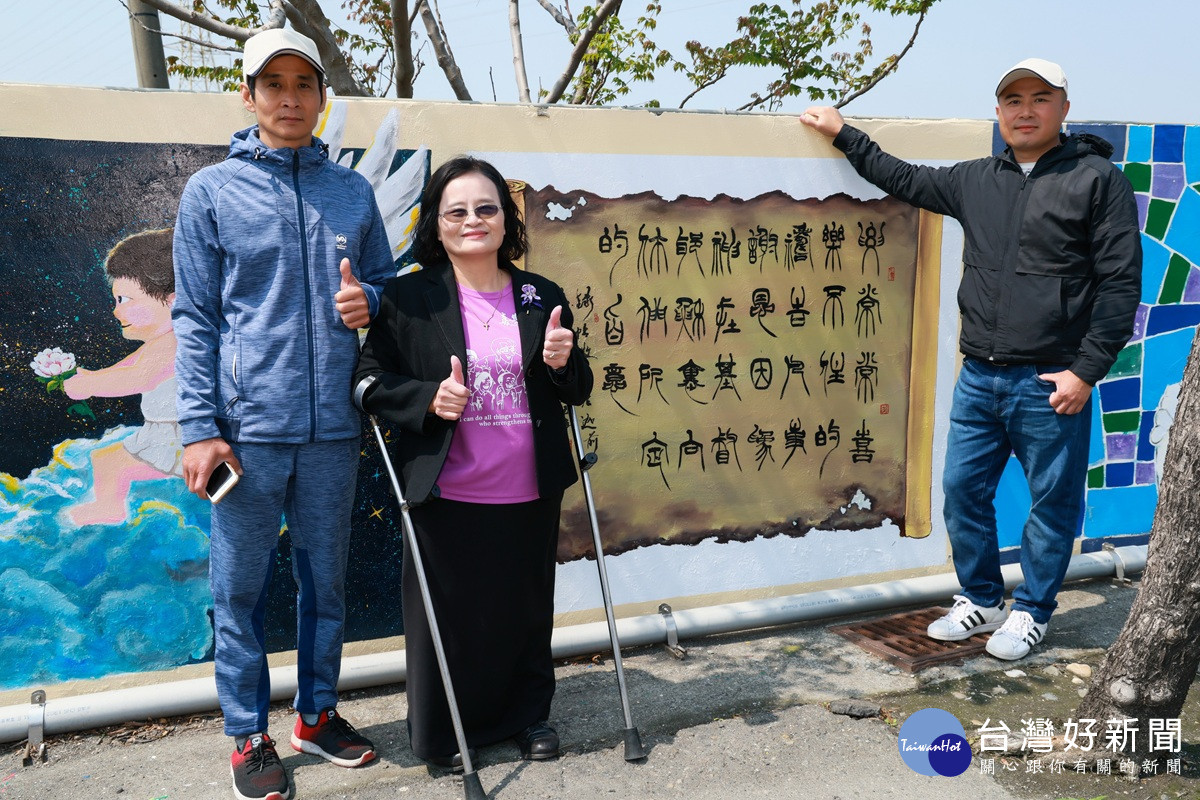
[474,359]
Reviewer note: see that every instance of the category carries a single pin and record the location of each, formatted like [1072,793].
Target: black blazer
[408,347]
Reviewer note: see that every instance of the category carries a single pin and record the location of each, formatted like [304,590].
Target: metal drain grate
[900,639]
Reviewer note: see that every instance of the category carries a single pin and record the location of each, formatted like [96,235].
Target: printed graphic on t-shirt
[497,391]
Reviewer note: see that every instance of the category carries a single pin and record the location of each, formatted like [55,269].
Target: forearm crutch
[633,742]
[472,788]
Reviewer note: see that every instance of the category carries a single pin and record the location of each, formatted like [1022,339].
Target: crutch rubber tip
[633,745]
[472,788]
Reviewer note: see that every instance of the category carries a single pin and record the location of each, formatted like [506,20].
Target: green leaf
[82,409]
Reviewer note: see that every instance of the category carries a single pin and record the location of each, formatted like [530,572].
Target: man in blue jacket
[1051,282]
[280,256]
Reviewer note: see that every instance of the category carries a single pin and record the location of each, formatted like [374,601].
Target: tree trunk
[1147,672]
[402,47]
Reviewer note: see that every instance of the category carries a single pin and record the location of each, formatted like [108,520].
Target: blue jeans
[998,409]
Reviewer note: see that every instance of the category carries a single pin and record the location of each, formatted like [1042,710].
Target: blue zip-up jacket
[263,355]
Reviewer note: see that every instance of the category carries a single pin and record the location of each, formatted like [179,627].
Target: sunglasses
[486,211]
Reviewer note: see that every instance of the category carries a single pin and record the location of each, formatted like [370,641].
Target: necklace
[487,323]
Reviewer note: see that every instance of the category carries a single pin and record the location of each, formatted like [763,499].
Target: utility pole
[147,46]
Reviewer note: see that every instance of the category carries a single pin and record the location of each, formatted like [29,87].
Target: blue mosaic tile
[1121,446]
[1191,153]
[1164,319]
[1140,138]
[1166,356]
[1121,394]
[1144,473]
[998,144]
[1155,259]
[1096,443]
[1183,236]
[1168,182]
[1118,474]
[1145,450]
[1168,143]
[1112,133]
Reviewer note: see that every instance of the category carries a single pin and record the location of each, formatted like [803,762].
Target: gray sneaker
[965,620]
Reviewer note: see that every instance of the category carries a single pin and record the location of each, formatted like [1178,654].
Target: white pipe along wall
[180,698]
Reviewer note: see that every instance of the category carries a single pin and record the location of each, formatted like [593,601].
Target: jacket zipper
[308,317]
[1010,259]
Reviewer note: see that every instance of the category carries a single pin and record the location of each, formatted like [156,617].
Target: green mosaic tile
[1096,478]
[1122,421]
[1158,219]
[1129,362]
[1176,280]
[1139,176]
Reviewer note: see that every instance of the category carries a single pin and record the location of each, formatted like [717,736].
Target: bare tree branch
[235,32]
[441,49]
[307,18]
[514,27]
[889,69]
[603,12]
[562,19]
[183,36]
[402,43]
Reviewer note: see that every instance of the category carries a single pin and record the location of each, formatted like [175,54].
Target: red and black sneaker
[333,739]
[258,773]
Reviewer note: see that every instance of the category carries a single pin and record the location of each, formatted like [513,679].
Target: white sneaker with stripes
[1016,637]
[965,620]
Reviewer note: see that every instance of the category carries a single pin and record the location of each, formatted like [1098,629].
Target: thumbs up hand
[351,300]
[452,393]
[556,349]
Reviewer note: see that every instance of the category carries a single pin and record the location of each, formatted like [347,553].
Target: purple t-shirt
[491,457]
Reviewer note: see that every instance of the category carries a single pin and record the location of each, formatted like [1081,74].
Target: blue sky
[1127,62]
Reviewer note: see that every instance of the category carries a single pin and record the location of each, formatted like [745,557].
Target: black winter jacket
[1052,262]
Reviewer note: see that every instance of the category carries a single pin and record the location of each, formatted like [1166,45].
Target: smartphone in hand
[222,479]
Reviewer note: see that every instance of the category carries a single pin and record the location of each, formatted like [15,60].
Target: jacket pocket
[978,296]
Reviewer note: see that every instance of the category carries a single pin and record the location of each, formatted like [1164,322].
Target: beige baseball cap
[1040,68]
[262,47]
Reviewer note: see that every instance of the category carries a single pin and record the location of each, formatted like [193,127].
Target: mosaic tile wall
[1133,406]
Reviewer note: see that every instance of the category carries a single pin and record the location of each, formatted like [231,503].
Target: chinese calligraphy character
[614,328]
[652,252]
[653,375]
[864,376]
[691,373]
[796,245]
[760,306]
[862,445]
[654,455]
[763,440]
[689,314]
[725,321]
[870,242]
[614,381]
[725,376]
[795,366]
[725,443]
[650,315]
[832,313]
[867,310]
[832,237]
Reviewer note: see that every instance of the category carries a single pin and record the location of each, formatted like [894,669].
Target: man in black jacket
[1051,282]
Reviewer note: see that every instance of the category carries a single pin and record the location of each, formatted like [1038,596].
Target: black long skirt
[491,576]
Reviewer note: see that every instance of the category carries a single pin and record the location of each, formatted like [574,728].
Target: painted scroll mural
[103,551]
[753,359]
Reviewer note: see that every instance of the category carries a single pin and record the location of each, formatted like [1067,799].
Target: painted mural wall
[774,343]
